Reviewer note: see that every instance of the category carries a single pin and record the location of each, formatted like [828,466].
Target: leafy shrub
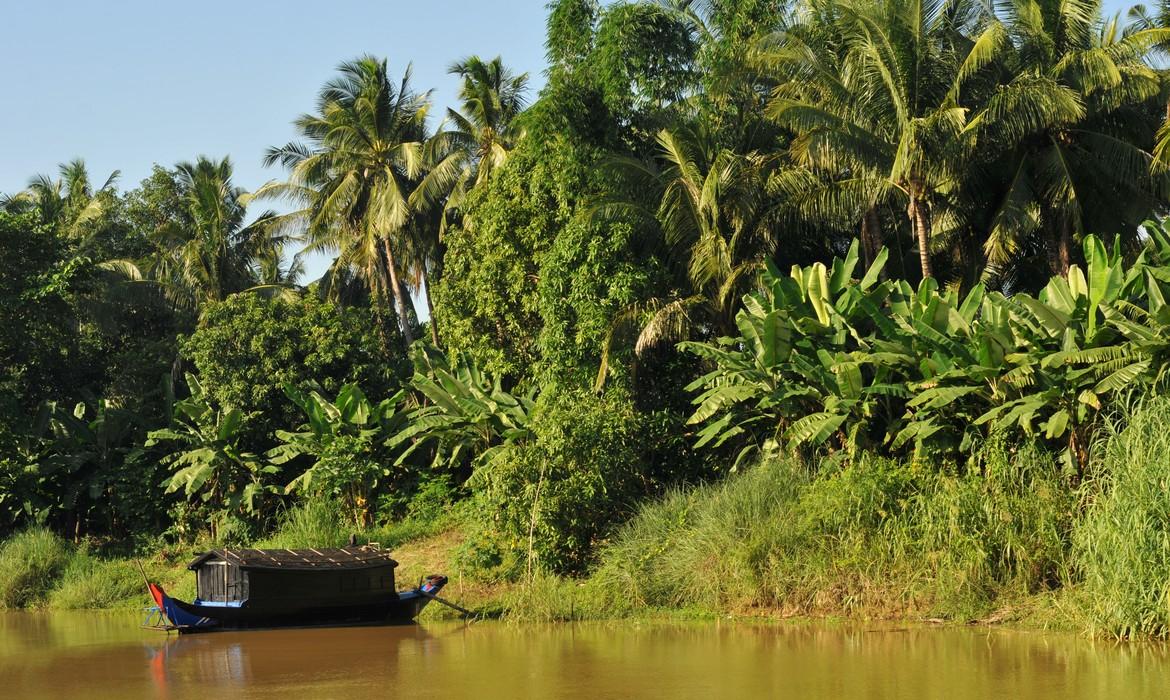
[552,498]
[247,348]
[1123,543]
[433,496]
[30,563]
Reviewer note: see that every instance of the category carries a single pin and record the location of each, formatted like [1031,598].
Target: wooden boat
[257,588]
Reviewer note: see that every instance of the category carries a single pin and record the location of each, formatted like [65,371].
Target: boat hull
[401,608]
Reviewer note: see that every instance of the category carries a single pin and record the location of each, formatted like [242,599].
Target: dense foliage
[966,197]
[247,348]
[823,358]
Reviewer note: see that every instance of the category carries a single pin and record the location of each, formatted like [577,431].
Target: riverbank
[60,577]
[1011,542]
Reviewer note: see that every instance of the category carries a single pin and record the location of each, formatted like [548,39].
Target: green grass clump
[315,523]
[30,563]
[876,538]
[707,547]
[320,523]
[1123,542]
[90,583]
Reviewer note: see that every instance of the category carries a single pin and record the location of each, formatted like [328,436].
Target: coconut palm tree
[1088,168]
[68,203]
[206,251]
[715,214]
[485,127]
[361,156]
[472,142]
[1043,109]
[872,90]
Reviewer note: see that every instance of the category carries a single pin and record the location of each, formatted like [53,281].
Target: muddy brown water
[88,655]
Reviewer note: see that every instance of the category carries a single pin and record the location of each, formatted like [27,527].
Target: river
[89,655]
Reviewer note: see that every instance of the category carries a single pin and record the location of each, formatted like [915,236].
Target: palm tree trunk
[1064,250]
[919,213]
[871,235]
[399,298]
[380,302]
[1058,237]
[430,307]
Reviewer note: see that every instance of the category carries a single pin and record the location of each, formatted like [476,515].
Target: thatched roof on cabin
[298,559]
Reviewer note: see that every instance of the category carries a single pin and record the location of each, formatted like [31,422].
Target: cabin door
[235,583]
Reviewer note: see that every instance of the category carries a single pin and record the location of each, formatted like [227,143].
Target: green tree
[362,156]
[487,300]
[247,348]
[40,351]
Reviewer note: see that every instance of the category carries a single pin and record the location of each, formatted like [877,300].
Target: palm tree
[362,156]
[715,214]
[67,204]
[471,144]
[207,252]
[1088,168]
[491,97]
[872,90]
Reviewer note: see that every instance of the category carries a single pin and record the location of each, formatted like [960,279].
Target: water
[85,655]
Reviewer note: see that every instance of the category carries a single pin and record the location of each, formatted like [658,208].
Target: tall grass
[876,538]
[1123,543]
[30,563]
[320,523]
[89,582]
[314,523]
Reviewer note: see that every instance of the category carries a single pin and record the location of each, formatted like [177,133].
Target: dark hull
[395,609]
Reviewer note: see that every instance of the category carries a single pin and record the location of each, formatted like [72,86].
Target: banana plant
[801,367]
[823,359]
[466,411]
[210,466]
[91,445]
[343,439]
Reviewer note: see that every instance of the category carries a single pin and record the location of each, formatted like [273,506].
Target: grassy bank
[38,569]
[1011,541]
[1008,542]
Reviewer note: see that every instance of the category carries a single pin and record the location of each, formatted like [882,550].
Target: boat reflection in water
[326,658]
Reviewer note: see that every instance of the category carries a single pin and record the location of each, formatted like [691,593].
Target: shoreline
[545,600]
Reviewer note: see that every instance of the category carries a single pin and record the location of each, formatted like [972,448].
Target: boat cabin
[264,577]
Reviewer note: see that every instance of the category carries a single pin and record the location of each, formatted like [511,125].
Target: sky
[129,83]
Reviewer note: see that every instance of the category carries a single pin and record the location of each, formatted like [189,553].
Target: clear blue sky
[129,83]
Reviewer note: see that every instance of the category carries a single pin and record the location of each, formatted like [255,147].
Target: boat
[265,588]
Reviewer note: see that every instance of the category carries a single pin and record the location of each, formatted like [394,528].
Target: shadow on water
[89,655]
